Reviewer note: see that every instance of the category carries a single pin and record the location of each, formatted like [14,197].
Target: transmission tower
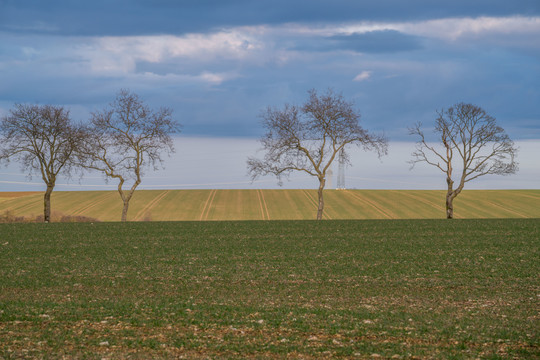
[341,171]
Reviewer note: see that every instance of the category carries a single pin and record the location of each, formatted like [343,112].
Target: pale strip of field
[146,211]
[420,203]
[92,202]
[291,204]
[207,204]
[264,207]
[364,198]
[181,205]
[29,204]
[313,200]
[15,194]
[235,205]
[200,205]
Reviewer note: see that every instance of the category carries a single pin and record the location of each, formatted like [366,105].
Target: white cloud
[229,44]
[456,28]
[215,78]
[364,75]
[151,80]
[452,28]
[253,45]
[122,53]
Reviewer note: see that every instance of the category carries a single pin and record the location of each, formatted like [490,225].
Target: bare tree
[126,138]
[471,135]
[309,138]
[43,139]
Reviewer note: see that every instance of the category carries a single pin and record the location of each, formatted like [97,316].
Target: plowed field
[180,205]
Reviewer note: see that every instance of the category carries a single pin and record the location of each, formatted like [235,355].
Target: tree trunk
[450,194]
[126,197]
[320,209]
[47,204]
[450,206]
[125,210]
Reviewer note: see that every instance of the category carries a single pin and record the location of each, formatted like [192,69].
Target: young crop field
[188,205]
[393,289]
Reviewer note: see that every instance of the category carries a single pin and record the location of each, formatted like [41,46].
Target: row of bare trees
[127,137]
[121,141]
[308,139]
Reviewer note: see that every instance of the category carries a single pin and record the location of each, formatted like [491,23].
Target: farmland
[271,289]
[195,205]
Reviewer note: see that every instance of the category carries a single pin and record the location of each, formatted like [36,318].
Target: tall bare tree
[43,139]
[469,134]
[126,138]
[308,138]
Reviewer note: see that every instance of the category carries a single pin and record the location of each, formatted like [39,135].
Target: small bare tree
[309,138]
[479,144]
[43,139]
[126,138]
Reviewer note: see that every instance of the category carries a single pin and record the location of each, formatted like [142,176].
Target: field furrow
[506,209]
[148,208]
[264,207]
[208,205]
[371,203]
[92,203]
[314,201]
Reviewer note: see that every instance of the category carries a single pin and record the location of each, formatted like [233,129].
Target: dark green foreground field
[298,289]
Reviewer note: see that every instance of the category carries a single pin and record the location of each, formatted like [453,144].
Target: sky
[218,63]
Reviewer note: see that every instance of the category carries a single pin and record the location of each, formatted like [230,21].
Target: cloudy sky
[218,63]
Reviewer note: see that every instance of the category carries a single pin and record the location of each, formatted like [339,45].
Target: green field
[181,205]
[396,289]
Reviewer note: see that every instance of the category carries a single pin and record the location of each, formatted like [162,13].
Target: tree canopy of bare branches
[308,138]
[125,139]
[470,142]
[43,139]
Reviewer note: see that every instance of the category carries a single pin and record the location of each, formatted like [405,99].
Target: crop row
[180,205]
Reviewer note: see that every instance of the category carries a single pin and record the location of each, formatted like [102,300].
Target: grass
[189,205]
[302,289]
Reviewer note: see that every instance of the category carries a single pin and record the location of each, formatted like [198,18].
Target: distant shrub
[59,217]
[9,217]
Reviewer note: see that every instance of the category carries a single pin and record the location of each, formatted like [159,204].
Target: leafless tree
[309,138]
[43,139]
[480,146]
[126,138]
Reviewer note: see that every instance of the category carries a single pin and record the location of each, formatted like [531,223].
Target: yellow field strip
[25,207]
[506,209]
[264,208]
[150,205]
[286,204]
[529,196]
[17,194]
[474,206]
[437,206]
[208,205]
[371,203]
[314,202]
[427,202]
[93,204]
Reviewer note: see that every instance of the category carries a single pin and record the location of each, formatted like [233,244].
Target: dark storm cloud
[138,17]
